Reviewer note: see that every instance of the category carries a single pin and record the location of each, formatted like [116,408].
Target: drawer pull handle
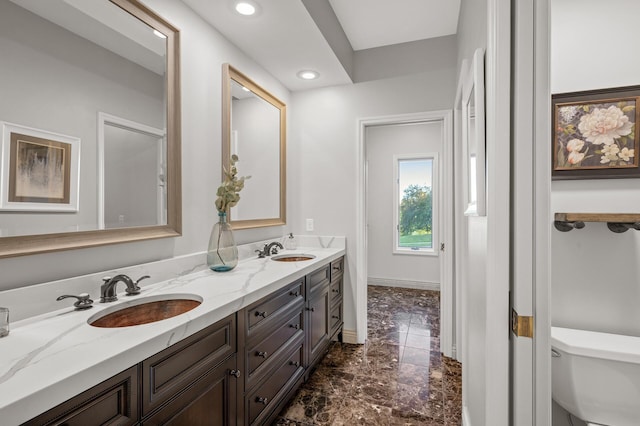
[336,268]
[261,314]
[335,317]
[311,309]
[294,293]
[296,326]
[261,400]
[235,373]
[262,354]
[295,364]
[335,290]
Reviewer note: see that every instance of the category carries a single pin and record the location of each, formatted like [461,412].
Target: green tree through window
[415,204]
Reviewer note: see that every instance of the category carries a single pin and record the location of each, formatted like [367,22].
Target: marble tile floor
[399,376]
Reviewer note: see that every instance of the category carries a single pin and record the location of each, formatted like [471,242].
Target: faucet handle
[260,253]
[135,289]
[83,302]
[144,277]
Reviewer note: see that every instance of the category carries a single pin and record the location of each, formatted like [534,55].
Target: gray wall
[382,143]
[203,51]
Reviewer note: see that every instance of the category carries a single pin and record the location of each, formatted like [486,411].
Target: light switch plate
[309,224]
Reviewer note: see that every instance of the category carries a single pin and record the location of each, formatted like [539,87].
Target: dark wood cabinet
[336,319]
[318,320]
[171,371]
[209,401]
[240,371]
[112,402]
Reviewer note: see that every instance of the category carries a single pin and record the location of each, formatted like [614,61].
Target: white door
[530,357]
[505,377]
[530,216]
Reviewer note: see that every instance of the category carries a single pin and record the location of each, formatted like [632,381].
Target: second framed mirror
[254,128]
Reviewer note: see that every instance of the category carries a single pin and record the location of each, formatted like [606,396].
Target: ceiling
[375,23]
[284,36]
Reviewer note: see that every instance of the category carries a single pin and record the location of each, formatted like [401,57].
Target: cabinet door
[168,372]
[210,401]
[112,402]
[318,323]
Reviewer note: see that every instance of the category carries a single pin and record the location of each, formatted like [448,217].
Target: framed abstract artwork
[596,134]
[39,170]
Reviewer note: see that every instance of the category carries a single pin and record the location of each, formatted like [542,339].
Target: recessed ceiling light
[245,8]
[308,75]
[159,34]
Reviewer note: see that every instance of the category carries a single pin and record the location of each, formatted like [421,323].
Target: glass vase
[222,254]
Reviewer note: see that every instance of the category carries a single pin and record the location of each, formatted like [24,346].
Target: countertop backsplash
[31,301]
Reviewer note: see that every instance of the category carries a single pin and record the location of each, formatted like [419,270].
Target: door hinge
[441,246]
[521,326]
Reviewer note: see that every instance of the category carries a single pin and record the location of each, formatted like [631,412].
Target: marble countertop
[54,356]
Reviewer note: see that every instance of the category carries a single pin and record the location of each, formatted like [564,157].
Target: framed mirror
[90,117]
[473,137]
[254,128]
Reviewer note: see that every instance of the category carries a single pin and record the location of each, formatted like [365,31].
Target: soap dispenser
[290,243]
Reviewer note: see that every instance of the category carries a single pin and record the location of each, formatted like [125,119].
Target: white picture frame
[39,170]
[473,137]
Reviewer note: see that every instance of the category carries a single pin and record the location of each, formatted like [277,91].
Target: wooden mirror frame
[230,73]
[45,243]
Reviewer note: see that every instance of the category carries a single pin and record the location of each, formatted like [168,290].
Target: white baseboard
[350,336]
[466,420]
[418,285]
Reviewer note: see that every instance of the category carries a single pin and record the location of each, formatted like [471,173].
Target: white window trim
[433,251]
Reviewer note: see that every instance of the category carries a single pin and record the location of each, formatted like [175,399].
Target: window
[415,204]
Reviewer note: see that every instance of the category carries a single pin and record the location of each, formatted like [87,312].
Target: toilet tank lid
[615,347]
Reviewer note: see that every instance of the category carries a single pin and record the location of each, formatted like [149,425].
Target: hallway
[398,377]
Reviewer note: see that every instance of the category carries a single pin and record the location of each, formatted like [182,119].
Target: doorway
[437,121]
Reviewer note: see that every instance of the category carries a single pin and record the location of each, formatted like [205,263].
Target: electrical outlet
[309,224]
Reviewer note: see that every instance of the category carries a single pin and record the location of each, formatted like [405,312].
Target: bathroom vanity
[237,358]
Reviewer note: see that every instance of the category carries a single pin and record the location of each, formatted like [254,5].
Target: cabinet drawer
[114,401]
[335,291]
[273,344]
[336,318]
[260,311]
[261,401]
[337,268]
[319,277]
[168,372]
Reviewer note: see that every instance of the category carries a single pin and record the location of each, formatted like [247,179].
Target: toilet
[596,376]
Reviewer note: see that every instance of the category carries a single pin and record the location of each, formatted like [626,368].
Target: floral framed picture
[596,134]
[39,170]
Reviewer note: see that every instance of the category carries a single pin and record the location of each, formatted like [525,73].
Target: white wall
[203,51]
[323,150]
[472,34]
[382,143]
[595,273]
[595,59]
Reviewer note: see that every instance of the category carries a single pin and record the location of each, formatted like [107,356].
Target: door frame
[445,211]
